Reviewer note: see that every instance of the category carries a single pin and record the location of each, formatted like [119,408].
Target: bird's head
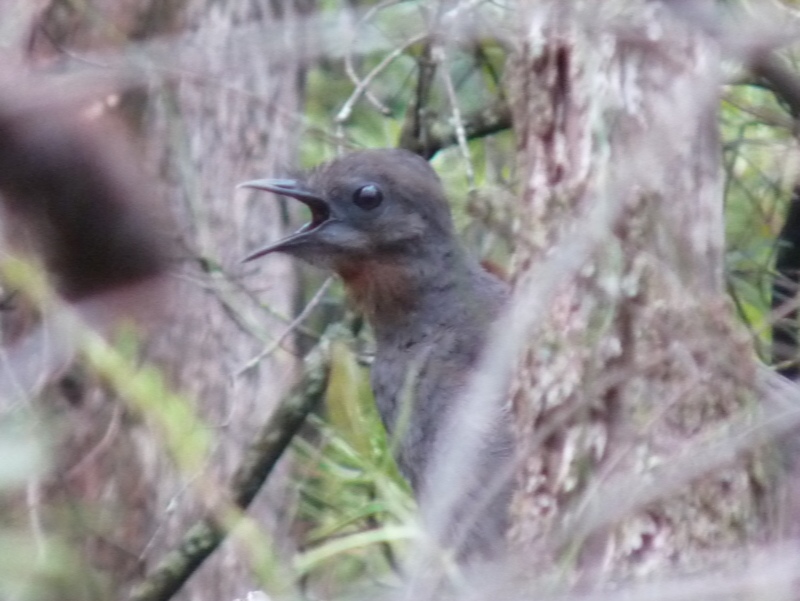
[373,205]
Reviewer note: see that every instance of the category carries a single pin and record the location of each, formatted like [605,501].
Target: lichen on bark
[638,358]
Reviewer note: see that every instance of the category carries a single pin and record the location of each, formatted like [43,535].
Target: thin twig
[347,108]
[312,304]
[349,68]
[100,447]
[458,122]
[33,497]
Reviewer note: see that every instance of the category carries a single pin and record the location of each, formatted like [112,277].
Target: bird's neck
[401,291]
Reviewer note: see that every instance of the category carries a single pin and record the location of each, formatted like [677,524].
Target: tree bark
[636,359]
[213,139]
[226,118]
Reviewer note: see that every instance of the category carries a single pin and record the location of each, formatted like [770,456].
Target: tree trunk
[229,116]
[636,360]
[215,138]
[223,138]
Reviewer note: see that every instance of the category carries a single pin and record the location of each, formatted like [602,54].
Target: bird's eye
[368,197]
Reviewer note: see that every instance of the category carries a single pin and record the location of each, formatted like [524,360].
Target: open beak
[320,212]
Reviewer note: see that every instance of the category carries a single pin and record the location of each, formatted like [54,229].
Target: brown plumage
[380,219]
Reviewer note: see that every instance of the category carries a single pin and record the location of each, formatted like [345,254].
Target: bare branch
[494,118]
[347,108]
[296,322]
[416,130]
[260,458]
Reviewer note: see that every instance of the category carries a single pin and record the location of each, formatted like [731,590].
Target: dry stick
[458,121]
[347,108]
[296,322]
[259,460]
[349,68]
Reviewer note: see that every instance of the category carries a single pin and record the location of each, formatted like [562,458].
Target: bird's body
[435,343]
[381,221]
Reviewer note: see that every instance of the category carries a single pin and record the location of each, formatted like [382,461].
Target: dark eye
[368,197]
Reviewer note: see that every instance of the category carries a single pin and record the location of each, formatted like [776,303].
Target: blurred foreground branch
[259,460]
[72,193]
